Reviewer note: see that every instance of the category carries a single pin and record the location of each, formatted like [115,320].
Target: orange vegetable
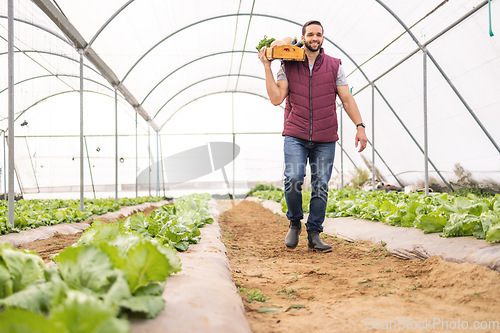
[284,41]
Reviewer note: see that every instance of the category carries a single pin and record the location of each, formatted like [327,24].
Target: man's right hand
[263,58]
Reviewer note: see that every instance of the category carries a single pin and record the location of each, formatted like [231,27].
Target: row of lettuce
[444,213]
[114,272]
[31,214]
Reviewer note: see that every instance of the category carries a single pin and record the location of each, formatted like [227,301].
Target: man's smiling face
[313,39]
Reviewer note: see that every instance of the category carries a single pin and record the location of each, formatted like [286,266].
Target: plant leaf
[148,306]
[493,234]
[24,267]
[83,313]
[22,321]
[144,264]
[85,266]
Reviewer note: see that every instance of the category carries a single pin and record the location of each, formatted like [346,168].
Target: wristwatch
[361,124]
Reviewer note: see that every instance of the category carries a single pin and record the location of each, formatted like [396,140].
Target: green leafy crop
[450,215]
[113,271]
[30,214]
[264,42]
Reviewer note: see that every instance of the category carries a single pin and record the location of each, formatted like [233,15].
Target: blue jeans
[320,156]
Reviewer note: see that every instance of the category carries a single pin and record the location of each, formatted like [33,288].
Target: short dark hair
[308,23]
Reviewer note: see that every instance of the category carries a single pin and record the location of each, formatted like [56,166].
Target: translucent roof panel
[188,71]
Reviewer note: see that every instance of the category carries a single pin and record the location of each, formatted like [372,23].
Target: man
[310,129]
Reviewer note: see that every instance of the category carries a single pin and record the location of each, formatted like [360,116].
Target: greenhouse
[166,101]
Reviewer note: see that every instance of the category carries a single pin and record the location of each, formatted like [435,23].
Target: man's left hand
[361,139]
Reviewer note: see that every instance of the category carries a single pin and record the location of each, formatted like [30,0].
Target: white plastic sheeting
[192,66]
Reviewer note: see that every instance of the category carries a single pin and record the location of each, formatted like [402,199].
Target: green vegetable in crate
[265,42]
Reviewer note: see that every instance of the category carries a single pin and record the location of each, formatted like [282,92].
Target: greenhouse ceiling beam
[200,81]
[189,63]
[434,61]
[41,28]
[80,44]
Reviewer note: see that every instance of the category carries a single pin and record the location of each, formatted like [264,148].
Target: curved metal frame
[448,80]
[54,54]
[298,24]
[200,81]
[189,63]
[232,15]
[41,28]
[214,93]
[58,75]
[248,93]
[111,18]
[20,113]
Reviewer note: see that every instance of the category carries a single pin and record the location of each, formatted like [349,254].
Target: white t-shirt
[341,79]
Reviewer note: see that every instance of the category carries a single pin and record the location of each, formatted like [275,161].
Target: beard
[312,49]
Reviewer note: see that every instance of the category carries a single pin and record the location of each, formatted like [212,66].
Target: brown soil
[52,245]
[356,288]
[55,244]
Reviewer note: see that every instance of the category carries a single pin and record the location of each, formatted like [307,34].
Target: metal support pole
[82,207]
[4,169]
[32,166]
[90,166]
[162,170]
[136,158]
[373,137]
[426,146]
[11,109]
[116,144]
[341,150]
[234,166]
[157,164]
[234,141]
[149,160]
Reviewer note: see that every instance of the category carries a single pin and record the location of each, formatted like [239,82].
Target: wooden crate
[286,52]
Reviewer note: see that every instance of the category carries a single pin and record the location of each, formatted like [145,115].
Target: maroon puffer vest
[310,111]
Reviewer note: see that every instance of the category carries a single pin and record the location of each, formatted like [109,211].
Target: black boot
[315,242]
[292,237]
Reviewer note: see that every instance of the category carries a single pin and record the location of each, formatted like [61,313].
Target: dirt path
[359,287]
